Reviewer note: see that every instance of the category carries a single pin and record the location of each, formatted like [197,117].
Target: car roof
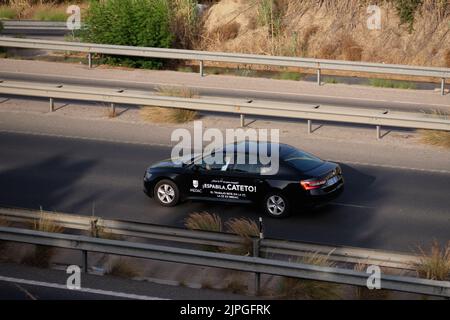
[252,147]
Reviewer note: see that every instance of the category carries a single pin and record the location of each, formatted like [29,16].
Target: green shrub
[142,23]
[7,13]
[406,10]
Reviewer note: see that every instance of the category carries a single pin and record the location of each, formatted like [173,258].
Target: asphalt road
[382,208]
[224,93]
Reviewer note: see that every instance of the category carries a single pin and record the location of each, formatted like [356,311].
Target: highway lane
[382,208]
[224,93]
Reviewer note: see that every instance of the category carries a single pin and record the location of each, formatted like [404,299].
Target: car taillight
[312,184]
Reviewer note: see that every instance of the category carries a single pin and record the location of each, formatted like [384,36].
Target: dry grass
[436,137]
[41,256]
[97,231]
[447,58]
[171,115]
[4,222]
[123,269]
[350,49]
[168,115]
[236,284]
[180,92]
[45,223]
[226,32]
[203,221]
[247,229]
[435,264]
[293,288]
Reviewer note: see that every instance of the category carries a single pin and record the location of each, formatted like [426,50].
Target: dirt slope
[332,29]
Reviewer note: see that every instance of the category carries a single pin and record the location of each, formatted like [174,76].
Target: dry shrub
[436,137]
[350,49]
[247,229]
[447,58]
[4,222]
[101,232]
[168,115]
[236,284]
[435,265]
[204,221]
[122,269]
[41,256]
[329,51]
[293,288]
[45,223]
[226,32]
[180,92]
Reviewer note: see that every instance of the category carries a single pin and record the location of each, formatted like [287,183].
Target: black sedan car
[301,181]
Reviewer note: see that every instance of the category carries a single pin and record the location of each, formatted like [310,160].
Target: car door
[206,179]
[250,185]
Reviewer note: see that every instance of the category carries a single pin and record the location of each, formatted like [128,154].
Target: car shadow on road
[49,183]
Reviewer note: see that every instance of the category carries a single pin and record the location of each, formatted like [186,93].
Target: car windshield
[302,161]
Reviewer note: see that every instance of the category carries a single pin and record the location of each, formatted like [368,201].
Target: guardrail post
[90,60]
[201,68]
[242,120]
[309,126]
[52,105]
[319,77]
[112,110]
[378,132]
[85,261]
[256,246]
[443,87]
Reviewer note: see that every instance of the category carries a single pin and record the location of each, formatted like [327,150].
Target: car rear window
[302,161]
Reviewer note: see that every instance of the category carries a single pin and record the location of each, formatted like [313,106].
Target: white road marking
[84,290]
[28,294]
[55,135]
[121,82]
[351,205]
[169,145]
[390,166]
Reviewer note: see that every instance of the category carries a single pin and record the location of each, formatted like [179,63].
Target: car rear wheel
[166,193]
[276,205]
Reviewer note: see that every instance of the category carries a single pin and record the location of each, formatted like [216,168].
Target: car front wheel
[276,205]
[166,193]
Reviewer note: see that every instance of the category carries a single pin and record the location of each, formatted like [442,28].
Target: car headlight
[147,175]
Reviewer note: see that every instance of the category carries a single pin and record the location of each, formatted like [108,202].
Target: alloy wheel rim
[166,193]
[276,205]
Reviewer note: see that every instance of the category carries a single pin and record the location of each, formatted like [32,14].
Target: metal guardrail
[201,56]
[377,118]
[254,264]
[34,25]
[273,247]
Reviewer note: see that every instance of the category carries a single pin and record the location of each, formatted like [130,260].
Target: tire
[276,205]
[166,193]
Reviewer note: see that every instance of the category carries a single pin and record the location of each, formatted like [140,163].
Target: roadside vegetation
[171,115]
[41,256]
[246,229]
[394,84]
[435,263]
[123,269]
[436,137]
[293,288]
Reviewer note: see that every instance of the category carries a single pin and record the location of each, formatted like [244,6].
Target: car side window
[210,163]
